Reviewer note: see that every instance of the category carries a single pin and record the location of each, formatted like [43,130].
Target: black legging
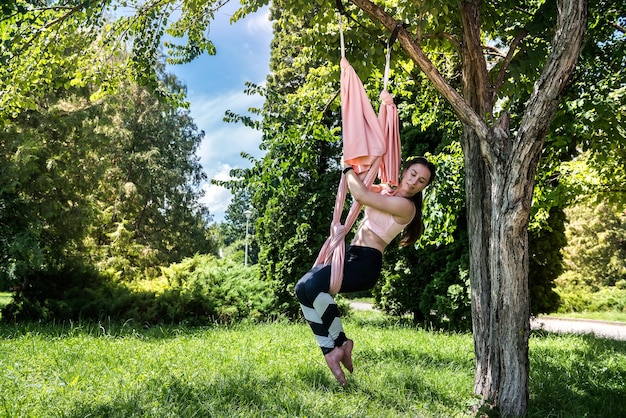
[361,270]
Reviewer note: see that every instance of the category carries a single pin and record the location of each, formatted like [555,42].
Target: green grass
[276,370]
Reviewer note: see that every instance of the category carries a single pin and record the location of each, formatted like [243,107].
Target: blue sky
[215,84]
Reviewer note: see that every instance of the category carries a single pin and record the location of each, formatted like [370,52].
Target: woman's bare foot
[332,360]
[346,360]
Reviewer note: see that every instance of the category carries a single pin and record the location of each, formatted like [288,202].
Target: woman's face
[415,178]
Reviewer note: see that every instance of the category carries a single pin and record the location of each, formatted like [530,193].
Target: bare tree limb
[507,60]
[618,27]
[492,50]
[443,35]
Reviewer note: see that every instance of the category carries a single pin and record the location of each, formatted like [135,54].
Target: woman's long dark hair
[414,230]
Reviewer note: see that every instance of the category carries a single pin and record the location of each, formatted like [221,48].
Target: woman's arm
[398,206]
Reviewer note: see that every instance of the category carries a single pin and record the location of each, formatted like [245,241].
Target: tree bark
[499,180]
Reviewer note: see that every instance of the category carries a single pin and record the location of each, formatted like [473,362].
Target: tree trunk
[499,180]
[498,214]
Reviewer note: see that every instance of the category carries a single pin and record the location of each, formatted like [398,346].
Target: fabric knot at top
[386,97]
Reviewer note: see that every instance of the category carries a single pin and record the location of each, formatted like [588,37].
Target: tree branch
[494,51]
[443,35]
[60,19]
[618,27]
[463,110]
[476,88]
[548,90]
[507,61]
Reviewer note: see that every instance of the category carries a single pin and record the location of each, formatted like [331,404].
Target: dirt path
[602,329]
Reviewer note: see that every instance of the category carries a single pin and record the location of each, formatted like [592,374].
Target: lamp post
[247,212]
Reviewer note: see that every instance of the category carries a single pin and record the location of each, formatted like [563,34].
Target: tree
[112,182]
[48,47]
[544,248]
[233,229]
[506,102]
[149,213]
[500,166]
[47,171]
[595,254]
[295,182]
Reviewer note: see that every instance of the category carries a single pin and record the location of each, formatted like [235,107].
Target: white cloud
[217,198]
[223,142]
[209,109]
[259,24]
[215,84]
[220,150]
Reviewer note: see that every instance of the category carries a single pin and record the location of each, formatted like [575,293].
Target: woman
[387,213]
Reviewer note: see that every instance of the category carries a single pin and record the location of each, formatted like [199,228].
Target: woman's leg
[361,270]
[319,308]
[321,312]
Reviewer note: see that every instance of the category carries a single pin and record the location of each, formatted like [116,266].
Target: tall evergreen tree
[149,213]
[113,182]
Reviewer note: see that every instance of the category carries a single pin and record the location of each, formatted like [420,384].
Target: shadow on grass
[168,396]
[236,395]
[108,329]
[576,376]
[424,375]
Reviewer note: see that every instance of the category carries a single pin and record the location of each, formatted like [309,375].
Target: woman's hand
[383,188]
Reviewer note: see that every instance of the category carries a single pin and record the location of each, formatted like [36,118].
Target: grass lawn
[276,370]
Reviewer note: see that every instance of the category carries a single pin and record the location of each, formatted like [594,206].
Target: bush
[546,262]
[431,283]
[199,290]
[206,288]
[581,298]
[596,249]
[62,292]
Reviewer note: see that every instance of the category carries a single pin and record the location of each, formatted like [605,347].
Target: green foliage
[71,290]
[545,262]
[591,119]
[292,188]
[148,202]
[199,290]
[444,200]
[595,252]
[209,289]
[581,298]
[430,282]
[56,44]
[115,181]
[233,228]
[36,60]
[594,259]
[48,172]
[5,299]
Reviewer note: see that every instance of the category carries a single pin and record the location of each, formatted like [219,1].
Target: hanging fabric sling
[371,144]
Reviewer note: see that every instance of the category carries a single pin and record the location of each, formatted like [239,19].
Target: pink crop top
[382,224]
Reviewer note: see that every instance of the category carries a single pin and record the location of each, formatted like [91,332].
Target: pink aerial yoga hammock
[371,144]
